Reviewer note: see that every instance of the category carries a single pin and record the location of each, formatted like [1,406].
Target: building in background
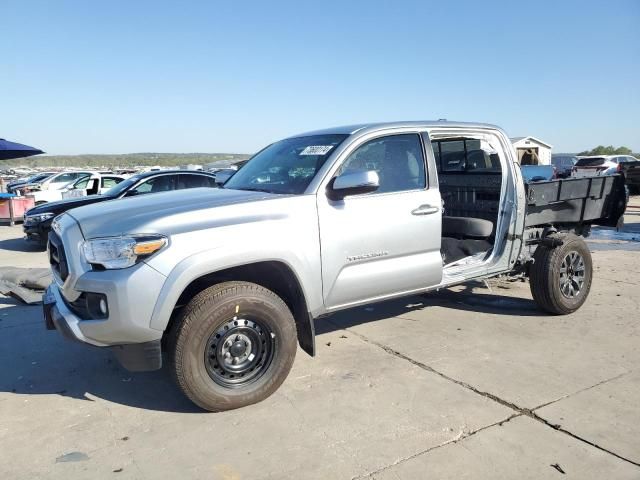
[531,151]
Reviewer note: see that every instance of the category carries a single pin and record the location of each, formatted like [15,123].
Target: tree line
[123,160]
[609,150]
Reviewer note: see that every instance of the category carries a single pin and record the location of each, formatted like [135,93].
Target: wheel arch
[275,275]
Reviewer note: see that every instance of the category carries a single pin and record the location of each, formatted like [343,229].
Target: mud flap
[307,334]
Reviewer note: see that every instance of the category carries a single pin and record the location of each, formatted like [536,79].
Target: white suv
[600,165]
[62,179]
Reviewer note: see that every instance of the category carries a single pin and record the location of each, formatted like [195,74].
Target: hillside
[124,160]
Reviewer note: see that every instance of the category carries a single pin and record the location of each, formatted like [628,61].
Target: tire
[232,322]
[556,284]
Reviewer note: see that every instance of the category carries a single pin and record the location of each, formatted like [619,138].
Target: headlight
[38,218]
[121,252]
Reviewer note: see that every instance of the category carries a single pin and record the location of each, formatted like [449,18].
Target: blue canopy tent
[9,150]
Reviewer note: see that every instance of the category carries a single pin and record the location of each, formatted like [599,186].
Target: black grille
[57,258]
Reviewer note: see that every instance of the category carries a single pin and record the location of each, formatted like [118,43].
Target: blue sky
[206,76]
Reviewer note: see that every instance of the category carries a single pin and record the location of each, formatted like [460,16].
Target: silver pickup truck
[226,282]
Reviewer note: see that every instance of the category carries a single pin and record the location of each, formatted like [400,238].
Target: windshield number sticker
[316,150]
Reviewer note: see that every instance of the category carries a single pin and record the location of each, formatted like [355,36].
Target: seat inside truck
[470,179]
[465,237]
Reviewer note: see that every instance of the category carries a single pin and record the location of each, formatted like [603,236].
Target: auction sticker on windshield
[316,150]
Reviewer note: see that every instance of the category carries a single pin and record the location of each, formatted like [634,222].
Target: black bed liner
[577,201]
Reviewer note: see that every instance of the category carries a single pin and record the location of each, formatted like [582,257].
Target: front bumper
[143,356]
[37,232]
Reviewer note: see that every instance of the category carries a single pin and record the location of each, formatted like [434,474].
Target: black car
[37,221]
[563,163]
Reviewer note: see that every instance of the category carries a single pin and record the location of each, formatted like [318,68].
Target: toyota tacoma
[225,283]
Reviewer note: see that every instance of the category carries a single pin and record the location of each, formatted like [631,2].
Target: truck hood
[166,213]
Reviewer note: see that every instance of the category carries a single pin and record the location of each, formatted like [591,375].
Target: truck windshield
[287,166]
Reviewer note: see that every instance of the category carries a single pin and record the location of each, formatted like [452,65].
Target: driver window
[398,160]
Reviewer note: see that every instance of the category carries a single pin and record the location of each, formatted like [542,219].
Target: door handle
[425,210]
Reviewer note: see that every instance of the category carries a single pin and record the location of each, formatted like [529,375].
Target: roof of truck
[351,129]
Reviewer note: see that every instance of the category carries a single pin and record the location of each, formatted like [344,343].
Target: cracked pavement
[469,382]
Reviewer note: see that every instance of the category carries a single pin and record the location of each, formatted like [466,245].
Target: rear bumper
[143,356]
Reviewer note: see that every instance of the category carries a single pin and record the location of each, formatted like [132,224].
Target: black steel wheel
[233,345]
[239,352]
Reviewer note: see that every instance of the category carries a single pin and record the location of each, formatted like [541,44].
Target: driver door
[387,242]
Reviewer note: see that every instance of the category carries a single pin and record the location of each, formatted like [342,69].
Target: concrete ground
[470,382]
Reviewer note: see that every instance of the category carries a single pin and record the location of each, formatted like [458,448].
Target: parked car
[37,221]
[95,184]
[228,281]
[564,164]
[60,180]
[600,165]
[17,185]
[50,190]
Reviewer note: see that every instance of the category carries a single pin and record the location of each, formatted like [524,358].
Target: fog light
[97,306]
[103,307]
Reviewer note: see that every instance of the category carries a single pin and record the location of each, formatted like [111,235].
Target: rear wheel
[233,345]
[560,277]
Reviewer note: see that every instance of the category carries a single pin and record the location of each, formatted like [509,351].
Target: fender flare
[200,265]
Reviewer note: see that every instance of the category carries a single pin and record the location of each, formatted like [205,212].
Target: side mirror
[353,183]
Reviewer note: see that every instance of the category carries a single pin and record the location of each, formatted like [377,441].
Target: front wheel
[560,277]
[233,346]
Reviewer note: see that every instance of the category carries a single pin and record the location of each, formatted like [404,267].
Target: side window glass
[183,181]
[108,182]
[397,159]
[77,176]
[144,187]
[82,184]
[467,155]
[64,178]
[163,183]
[195,181]
[210,182]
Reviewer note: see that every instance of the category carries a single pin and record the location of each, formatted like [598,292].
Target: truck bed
[576,201]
